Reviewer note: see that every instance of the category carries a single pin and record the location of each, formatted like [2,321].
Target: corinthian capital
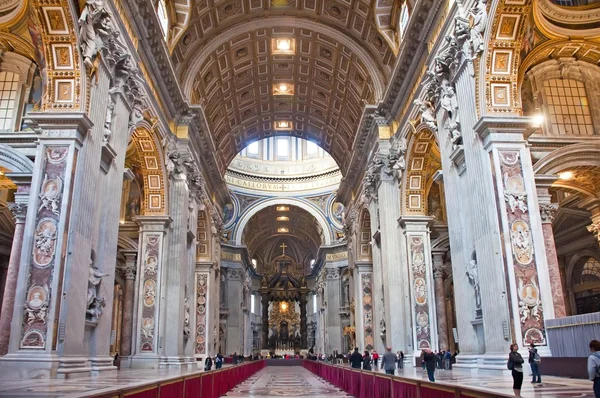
[19,211]
[547,212]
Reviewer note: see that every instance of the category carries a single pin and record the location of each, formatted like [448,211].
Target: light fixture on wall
[283,45]
[283,306]
[283,230]
[537,120]
[283,218]
[566,175]
[283,208]
[283,88]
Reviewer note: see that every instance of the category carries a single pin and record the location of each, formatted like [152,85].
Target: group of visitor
[217,360]
[368,361]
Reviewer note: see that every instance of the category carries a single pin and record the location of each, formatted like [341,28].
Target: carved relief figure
[36,307]
[90,42]
[529,301]
[44,246]
[520,237]
[427,113]
[478,14]
[50,194]
[514,193]
[186,318]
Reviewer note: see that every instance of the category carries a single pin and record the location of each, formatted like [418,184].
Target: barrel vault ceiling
[340,62]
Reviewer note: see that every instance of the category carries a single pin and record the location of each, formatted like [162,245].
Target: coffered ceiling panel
[226,64]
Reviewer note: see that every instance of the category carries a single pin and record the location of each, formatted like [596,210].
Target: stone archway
[151,171]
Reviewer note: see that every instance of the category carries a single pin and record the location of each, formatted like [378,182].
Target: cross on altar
[283,246]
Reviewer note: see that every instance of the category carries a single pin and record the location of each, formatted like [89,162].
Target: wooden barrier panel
[366,383]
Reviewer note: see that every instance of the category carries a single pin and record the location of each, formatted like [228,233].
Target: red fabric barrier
[171,390]
[207,382]
[382,387]
[193,387]
[366,385]
[427,392]
[151,392]
[355,387]
[404,390]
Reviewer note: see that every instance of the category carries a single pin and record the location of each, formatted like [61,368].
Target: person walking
[388,362]
[366,361]
[356,359]
[375,359]
[515,365]
[235,358]
[534,363]
[430,359]
[208,362]
[593,366]
[218,361]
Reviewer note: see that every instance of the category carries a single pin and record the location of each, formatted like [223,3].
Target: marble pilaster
[204,306]
[265,320]
[547,212]
[333,333]
[440,299]
[303,325]
[377,307]
[150,272]
[393,263]
[19,211]
[234,332]
[128,302]
[520,229]
[418,243]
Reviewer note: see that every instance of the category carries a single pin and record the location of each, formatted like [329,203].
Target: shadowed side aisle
[285,382]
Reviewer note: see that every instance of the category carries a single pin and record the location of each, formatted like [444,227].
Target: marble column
[19,211]
[440,299]
[150,272]
[235,317]
[128,301]
[303,326]
[547,212]
[265,320]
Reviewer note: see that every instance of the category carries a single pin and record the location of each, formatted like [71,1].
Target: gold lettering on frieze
[280,187]
[231,256]
[336,256]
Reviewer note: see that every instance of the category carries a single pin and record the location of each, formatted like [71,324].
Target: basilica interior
[181,178]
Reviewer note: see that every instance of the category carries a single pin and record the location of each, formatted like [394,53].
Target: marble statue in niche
[136,193]
[434,203]
[95,303]
[36,307]
[478,14]
[473,275]
[187,331]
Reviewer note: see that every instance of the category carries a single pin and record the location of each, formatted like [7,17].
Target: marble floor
[277,381]
[284,381]
[550,386]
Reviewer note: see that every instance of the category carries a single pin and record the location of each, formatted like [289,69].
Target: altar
[284,300]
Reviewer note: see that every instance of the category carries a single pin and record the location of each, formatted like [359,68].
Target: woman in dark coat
[515,364]
[208,363]
[366,361]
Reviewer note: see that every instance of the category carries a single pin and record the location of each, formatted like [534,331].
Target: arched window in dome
[163,17]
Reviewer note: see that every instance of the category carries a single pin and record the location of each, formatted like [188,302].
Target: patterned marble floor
[278,381]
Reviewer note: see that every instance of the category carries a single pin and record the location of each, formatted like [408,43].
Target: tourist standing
[400,358]
[208,363]
[423,359]
[219,361]
[447,360]
[375,359]
[534,363]
[366,361]
[430,359]
[515,364]
[235,358]
[594,366]
[355,359]
[388,362]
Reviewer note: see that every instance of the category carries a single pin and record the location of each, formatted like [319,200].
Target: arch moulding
[251,211]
